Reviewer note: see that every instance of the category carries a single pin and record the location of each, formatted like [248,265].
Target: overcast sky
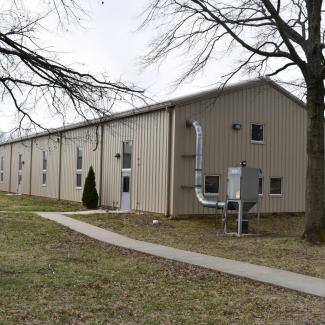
[109,41]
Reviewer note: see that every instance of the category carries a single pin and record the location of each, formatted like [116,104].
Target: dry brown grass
[280,244]
[35,203]
[50,275]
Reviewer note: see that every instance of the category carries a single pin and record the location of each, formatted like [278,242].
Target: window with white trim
[211,184]
[44,168]
[127,155]
[20,168]
[257,133]
[260,186]
[20,162]
[276,186]
[79,163]
[1,169]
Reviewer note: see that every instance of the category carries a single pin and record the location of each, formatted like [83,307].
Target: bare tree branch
[33,77]
[273,35]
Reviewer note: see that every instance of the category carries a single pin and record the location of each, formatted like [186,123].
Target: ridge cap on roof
[164,104]
[237,86]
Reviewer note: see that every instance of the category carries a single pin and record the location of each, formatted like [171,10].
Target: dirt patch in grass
[35,203]
[280,244]
[50,275]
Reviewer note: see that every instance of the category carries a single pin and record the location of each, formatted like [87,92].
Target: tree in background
[274,36]
[90,195]
[31,74]
[3,136]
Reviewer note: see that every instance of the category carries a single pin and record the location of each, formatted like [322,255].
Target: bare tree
[33,76]
[274,35]
[3,136]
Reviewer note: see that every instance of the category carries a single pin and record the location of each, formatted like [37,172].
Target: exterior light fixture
[243,163]
[117,156]
[236,126]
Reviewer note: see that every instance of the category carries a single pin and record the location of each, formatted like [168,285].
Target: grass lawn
[50,275]
[35,203]
[279,246]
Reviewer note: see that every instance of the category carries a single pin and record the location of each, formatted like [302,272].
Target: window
[1,169]
[127,155]
[79,168]
[20,171]
[276,186]
[260,186]
[126,184]
[78,180]
[44,178]
[211,184]
[257,133]
[79,158]
[20,162]
[44,168]
[44,160]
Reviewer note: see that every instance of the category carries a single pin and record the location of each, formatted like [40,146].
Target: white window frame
[79,171]
[211,194]
[20,162]
[20,170]
[251,133]
[130,142]
[2,169]
[44,171]
[262,178]
[278,194]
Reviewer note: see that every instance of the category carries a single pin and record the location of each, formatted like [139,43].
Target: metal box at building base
[243,183]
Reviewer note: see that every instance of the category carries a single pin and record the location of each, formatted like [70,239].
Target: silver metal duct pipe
[198,168]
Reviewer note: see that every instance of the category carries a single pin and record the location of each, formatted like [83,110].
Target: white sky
[109,42]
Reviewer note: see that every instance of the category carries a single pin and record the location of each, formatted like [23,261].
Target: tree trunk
[315,219]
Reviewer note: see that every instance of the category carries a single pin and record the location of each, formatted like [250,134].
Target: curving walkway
[295,281]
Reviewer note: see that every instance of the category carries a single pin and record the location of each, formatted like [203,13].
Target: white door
[126,186]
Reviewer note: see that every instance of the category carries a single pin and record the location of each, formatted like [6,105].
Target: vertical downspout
[100,186]
[60,165]
[169,158]
[31,167]
[10,167]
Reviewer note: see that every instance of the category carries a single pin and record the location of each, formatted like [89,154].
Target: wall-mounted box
[243,183]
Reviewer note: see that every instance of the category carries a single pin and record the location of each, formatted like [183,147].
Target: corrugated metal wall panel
[87,139]
[23,148]
[282,154]
[149,135]
[51,145]
[5,153]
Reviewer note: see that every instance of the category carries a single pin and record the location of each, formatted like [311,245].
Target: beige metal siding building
[45,175]
[148,134]
[280,154]
[144,159]
[5,163]
[20,167]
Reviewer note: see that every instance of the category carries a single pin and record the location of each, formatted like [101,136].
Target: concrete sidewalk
[286,279]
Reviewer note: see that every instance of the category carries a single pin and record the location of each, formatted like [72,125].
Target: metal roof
[214,92]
